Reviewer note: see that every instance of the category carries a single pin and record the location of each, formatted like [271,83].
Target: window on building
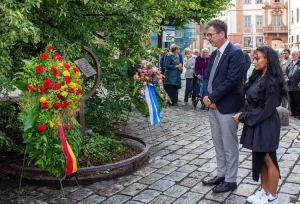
[259,1]
[276,21]
[297,14]
[292,16]
[247,21]
[277,1]
[247,2]
[259,41]
[247,42]
[259,21]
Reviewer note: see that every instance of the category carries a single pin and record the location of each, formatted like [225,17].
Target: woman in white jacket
[189,64]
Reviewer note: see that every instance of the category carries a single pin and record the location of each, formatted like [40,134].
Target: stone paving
[179,160]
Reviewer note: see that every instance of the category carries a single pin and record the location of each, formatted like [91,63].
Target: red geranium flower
[57,105]
[66,79]
[54,71]
[71,90]
[57,56]
[67,66]
[78,91]
[69,126]
[50,48]
[58,96]
[39,69]
[44,105]
[41,127]
[41,89]
[30,87]
[75,69]
[47,83]
[43,56]
[65,104]
[56,86]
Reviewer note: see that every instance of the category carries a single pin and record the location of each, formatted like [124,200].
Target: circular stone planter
[88,175]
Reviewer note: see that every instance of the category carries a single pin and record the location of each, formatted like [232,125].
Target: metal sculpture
[91,80]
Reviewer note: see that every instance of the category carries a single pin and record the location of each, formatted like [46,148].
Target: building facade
[254,23]
[294,25]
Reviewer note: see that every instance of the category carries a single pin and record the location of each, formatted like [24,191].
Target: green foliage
[7,144]
[28,26]
[97,149]
[104,111]
[9,116]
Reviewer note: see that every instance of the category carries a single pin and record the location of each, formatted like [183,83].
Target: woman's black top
[261,120]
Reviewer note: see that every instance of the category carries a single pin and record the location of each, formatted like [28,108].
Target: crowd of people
[195,64]
[232,98]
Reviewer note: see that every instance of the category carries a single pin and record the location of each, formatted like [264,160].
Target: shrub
[97,149]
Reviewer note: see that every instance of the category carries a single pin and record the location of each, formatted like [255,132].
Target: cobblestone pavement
[178,162]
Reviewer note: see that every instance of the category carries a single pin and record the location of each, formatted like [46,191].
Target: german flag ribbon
[71,162]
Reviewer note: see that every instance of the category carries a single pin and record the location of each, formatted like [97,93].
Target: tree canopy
[27,26]
[105,26]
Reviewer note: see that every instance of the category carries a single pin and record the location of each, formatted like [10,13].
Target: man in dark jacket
[247,63]
[163,60]
[293,80]
[223,82]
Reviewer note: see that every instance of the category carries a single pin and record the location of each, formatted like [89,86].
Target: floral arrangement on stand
[51,91]
[149,79]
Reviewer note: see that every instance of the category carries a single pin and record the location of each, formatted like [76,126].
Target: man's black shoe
[225,187]
[214,181]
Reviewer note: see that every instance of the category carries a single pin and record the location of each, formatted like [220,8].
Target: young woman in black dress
[264,91]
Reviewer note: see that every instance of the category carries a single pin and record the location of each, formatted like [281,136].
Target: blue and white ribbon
[152,103]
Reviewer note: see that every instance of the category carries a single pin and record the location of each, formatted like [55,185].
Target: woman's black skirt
[258,160]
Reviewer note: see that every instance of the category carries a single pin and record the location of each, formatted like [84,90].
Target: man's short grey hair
[295,52]
[205,49]
[218,25]
[195,50]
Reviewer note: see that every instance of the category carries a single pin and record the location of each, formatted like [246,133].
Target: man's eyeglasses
[209,34]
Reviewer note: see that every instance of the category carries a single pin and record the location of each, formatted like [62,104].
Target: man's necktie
[213,71]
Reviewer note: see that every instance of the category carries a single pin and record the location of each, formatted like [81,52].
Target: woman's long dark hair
[273,76]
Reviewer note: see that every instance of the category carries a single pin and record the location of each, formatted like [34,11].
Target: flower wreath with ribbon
[149,92]
[49,101]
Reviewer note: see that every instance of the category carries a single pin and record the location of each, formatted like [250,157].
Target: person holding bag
[172,81]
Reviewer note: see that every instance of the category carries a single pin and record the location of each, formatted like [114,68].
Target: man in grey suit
[223,82]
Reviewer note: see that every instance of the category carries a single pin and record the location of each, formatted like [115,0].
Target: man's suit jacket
[227,83]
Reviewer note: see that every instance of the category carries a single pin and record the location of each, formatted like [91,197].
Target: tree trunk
[159,39]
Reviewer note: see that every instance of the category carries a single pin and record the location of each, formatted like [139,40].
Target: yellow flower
[66,73]
[56,111]
[64,94]
[63,87]
[73,85]
[60,64]
[43,99]
[51,124]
